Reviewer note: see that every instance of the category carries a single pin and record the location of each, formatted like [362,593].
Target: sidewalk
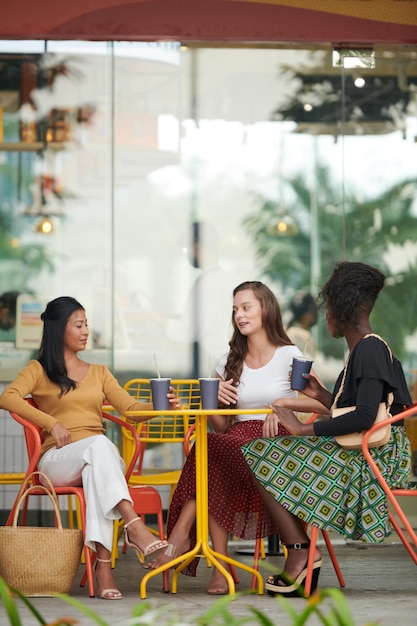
[381,587]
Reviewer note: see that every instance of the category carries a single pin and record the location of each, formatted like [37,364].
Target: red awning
[354,22]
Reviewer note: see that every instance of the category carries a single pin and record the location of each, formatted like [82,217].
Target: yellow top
[79,410]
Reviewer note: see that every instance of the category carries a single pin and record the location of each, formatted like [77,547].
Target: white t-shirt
[262,386]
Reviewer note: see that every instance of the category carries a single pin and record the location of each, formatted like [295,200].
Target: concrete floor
[381,587]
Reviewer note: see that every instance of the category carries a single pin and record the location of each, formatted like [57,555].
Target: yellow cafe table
[202,547]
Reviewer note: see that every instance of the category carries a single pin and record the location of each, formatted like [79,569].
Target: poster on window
[28,320]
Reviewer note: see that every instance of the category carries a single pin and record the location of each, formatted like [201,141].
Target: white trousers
[95,464]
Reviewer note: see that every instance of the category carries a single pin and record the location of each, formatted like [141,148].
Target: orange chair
[33,438]
[147,501]
[396,514]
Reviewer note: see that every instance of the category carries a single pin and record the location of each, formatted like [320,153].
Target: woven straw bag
[39,561]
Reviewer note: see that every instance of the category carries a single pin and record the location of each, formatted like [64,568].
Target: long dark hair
[51,351]
[352,287]
[271,321]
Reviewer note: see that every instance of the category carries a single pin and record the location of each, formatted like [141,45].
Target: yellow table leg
[202,547]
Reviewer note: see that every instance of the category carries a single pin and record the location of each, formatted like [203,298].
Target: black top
[370,376]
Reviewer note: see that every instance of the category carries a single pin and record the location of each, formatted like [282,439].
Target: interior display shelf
[35,146]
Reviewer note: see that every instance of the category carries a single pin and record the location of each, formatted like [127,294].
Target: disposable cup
[300,366]
[209,391]
[160,389]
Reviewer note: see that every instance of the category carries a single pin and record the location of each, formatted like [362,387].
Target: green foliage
[28,259]
[218,614]
[349,229]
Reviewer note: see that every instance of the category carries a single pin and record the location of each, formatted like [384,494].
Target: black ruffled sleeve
[370,376]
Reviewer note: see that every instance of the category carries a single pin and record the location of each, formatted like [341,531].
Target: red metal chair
[33,439]
[147,501]
[396,514]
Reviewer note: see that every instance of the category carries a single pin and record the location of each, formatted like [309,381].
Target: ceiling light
[44,226]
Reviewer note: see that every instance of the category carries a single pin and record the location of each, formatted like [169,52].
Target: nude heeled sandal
[154,546]
[108,594]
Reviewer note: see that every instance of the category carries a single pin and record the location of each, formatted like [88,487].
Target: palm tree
[350,229]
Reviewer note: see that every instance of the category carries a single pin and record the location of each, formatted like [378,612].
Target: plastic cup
[209,392]
[300,366]
[160,389]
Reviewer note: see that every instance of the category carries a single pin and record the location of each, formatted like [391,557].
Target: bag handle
[390,397]
[49,491]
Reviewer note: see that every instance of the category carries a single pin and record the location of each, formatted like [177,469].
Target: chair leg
[78,519]
[262,550]
[259,548]
[88,576]
[89,560]
[310,561]
[146,500]
[400,532]
[332,554]
[117,533]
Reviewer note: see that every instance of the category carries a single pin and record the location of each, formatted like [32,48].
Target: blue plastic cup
[300,366]
[160,389]
[209,392]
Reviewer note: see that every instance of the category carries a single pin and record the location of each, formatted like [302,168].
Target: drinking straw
[209,367]
[305,348]
[156,365]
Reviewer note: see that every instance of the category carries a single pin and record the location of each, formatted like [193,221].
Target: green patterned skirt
[332,488]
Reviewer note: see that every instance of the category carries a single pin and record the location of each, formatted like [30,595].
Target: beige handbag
[353,441]
[39,561]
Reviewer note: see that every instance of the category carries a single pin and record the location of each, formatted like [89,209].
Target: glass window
[149,179]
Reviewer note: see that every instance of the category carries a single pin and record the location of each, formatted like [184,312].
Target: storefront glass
[287,159]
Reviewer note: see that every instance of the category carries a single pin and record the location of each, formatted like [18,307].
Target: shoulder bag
[353,441]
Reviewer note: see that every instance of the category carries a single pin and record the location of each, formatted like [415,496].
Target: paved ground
[381,587]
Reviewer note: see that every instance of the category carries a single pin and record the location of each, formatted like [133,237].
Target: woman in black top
[309,478]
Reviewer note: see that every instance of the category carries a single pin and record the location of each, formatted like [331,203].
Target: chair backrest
[312,418]
[33,441]
[397,514]
[130,430]
[165,428]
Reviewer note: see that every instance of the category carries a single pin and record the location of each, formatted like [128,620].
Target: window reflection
[292,162]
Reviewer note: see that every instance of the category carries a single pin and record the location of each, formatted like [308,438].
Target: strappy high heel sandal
[151,548]
[108,594]
[171,552]
[293,587]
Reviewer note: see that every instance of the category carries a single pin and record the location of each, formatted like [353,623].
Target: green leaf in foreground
[9,604]
[83,608]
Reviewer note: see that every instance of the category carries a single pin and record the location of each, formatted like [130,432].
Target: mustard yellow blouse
[79,410]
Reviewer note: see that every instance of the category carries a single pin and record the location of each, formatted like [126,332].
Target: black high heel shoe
[294,588]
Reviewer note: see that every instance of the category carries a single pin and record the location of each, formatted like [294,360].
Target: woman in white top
[253,373]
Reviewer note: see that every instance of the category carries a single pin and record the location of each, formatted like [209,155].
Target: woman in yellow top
[69,394]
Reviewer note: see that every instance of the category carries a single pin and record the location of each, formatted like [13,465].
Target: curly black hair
[352,287]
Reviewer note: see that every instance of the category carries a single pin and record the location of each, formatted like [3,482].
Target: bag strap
[390,397]
[49,490]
